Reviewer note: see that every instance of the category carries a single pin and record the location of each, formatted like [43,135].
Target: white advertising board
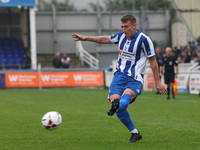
[194,83]
[183,83]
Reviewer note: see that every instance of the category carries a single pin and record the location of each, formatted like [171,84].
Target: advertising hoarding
[54,79]
[17,3]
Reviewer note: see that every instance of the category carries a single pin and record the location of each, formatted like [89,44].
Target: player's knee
[114,96]
[133,99]
[130,92]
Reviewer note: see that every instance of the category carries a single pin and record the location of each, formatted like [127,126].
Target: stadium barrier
[86,57]
[188,79]
[52,78]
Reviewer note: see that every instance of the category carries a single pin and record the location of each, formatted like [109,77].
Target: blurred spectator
[57,61]
[174,55]
[65,61]
[176,52]
[188,55]
[180,60]
[185,57]
[193,45]
[198,59]
[159,56]
[27,60]
[183,48]
[198,50]
[193,56]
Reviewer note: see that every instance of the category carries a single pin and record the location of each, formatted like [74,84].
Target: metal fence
[54,31]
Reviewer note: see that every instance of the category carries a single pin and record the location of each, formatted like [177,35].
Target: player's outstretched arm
[96,39]
[154,66]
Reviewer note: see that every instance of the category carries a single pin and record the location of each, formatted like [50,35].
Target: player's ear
[135,25]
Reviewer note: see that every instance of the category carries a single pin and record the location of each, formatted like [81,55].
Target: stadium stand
[12,53]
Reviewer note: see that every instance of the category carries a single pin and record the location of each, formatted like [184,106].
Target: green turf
[165,125]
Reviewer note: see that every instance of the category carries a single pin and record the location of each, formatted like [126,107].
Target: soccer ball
[51,120]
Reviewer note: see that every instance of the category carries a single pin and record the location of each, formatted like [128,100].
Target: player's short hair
[128,17]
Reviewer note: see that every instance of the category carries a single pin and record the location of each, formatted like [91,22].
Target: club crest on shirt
[120,52]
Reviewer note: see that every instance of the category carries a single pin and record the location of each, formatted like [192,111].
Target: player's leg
[114,99]
[124,116]
[115,91]
[122,113]
[117,87]
[133,89]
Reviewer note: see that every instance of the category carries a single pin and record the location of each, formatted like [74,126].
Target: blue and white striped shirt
[133,53]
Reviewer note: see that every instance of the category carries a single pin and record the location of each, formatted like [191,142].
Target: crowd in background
[189,53]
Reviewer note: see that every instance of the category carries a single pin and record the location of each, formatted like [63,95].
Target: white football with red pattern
[51,120]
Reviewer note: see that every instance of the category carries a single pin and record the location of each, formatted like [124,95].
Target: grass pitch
[165,125]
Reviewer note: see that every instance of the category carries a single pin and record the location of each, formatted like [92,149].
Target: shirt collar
[136,35]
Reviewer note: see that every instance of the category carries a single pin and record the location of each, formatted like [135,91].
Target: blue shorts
[122,81]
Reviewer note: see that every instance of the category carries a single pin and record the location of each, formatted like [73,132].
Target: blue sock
[124,117]
[123,114]
[124,102]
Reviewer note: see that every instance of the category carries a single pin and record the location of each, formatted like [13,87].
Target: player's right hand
[78,37]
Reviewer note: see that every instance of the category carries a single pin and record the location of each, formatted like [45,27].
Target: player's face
[129,29]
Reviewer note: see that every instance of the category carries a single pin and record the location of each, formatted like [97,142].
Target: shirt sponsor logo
[126,55]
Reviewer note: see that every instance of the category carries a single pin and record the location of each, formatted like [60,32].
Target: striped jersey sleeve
[148,47]
[115,38]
